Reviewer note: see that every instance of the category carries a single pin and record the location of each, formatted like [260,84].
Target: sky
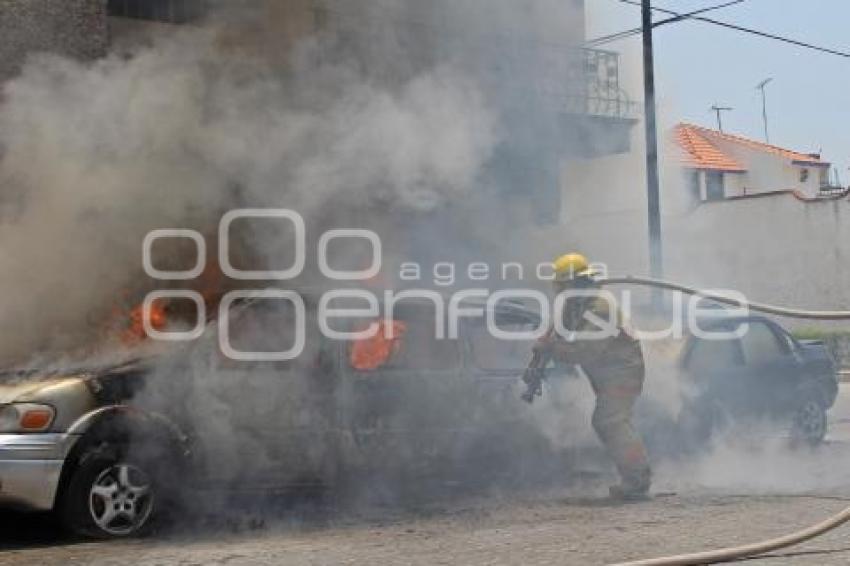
[699,65]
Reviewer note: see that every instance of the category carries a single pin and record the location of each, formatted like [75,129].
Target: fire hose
[748,550]
[719,298]
[758,548]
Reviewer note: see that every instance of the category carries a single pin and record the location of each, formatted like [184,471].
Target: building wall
[281,25]
[71,27]
[775,248]
[270,27]
[768,172]
[737,184]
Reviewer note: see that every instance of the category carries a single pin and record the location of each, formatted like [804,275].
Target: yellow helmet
[570,266]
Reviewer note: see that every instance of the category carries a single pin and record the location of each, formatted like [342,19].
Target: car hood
[816,350]
[27,390]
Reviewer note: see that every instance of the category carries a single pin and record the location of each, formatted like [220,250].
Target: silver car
[89,446]
[107,449]
[34,442]
[61,449]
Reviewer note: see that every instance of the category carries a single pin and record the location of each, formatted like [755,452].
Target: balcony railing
[587,81]
[570,80]
[600,81]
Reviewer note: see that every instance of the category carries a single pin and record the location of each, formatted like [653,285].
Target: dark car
[758,373]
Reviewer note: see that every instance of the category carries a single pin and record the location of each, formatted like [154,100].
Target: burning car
[107,449]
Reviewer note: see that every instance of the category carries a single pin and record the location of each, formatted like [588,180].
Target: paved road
[556,529]
[737,493]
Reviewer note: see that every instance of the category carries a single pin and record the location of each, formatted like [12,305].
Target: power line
[635,31]
[796,42]
[679,17]
[613,37]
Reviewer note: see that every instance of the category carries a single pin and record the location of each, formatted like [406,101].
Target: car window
[714,355]
[760,344]
[788,344]
[491,353]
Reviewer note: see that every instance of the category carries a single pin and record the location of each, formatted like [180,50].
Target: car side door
[773,368]
[409,400]
[261,422]
[494,365]
[713,371]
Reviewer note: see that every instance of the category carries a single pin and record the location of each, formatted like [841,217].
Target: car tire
[809,423]
[699,422]
[110,495]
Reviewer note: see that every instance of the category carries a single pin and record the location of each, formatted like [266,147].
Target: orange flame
[135,332]
[371,353]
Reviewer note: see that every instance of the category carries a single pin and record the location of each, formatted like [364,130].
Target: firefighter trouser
[617,390]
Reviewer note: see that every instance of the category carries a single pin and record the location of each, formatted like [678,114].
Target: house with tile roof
[736,214]
[721,166]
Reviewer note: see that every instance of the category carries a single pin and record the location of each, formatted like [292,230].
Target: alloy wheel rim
[811,420]
[121,499]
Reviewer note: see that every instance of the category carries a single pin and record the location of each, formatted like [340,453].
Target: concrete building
[77,28]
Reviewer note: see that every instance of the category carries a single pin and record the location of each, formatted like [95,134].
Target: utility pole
[761,87]
[720,109]
[656,261]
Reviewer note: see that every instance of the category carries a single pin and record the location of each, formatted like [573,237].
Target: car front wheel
[109,495]
[699,421]
[810,423]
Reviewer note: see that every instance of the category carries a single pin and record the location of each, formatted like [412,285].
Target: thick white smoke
[174,134]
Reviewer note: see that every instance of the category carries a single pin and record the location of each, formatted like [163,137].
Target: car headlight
[25,417]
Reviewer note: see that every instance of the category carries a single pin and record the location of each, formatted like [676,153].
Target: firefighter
[614,365]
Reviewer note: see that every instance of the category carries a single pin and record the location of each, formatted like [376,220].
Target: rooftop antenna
[719,110]
[761,86]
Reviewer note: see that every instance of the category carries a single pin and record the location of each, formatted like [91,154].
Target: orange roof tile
[699,153]
[709,136]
